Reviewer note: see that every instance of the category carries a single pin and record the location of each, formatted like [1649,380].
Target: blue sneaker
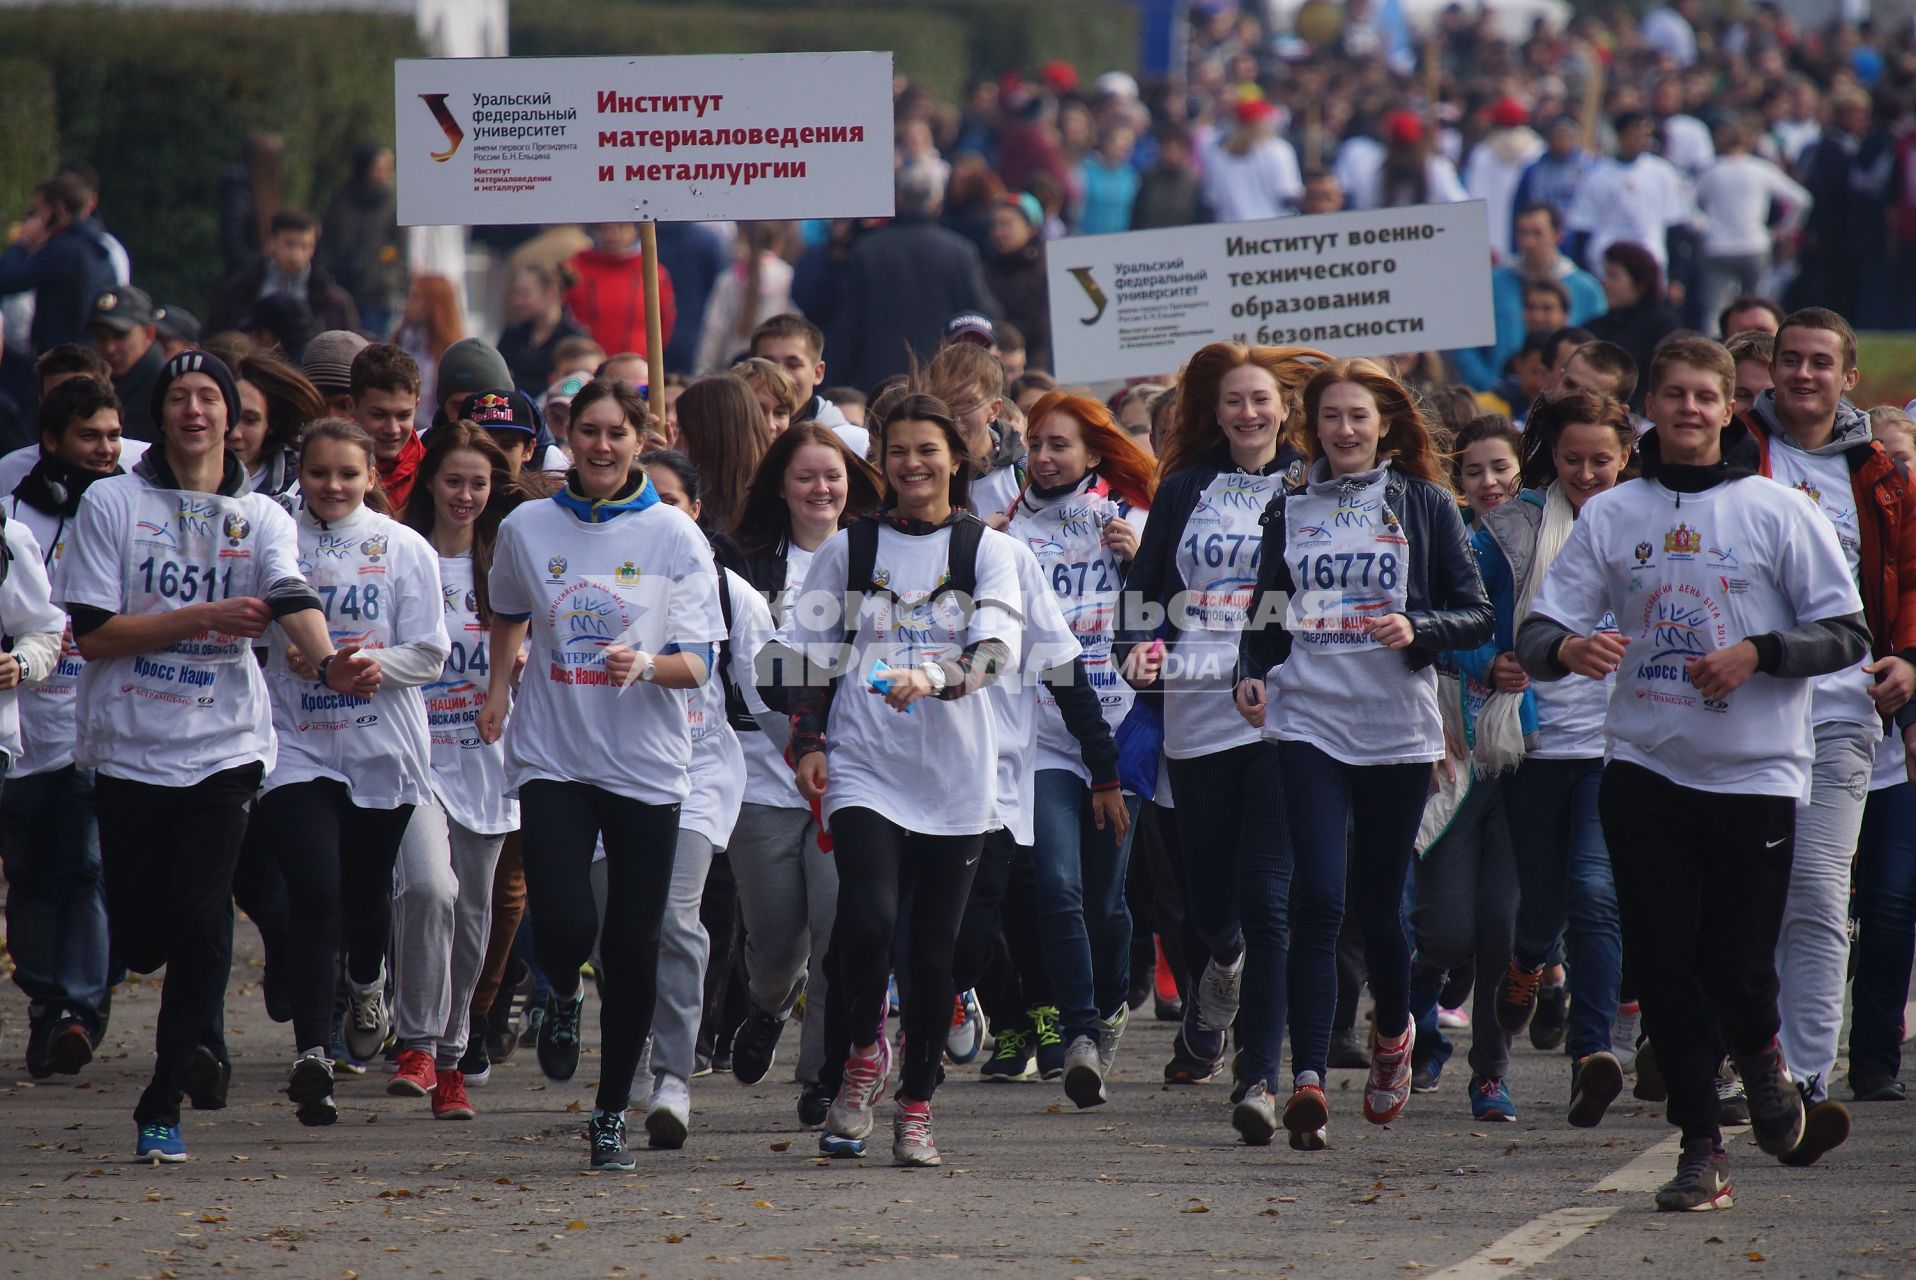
[1425,1075]
[160,1144]
[1490,1099]
[967,1033]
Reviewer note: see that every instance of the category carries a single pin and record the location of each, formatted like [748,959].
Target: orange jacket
[609,300]
[1886,518]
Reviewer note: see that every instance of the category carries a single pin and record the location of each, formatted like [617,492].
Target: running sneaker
[534,1019]
[1011,1059]
[1453,1019]
[1307,1116]
[475,1066]
[1083,1080]
[1219,990]
[416,1076]
[311,1088]
[159,1143]
[1702,1180]
[1048,1040]
[850,1115]
[449,1098]
[1517,997]
[813,1102]
[1255,1115]
[1189,1066]
[1776,1107]
[1490,1100]
[911,1141]
[837,1148]
[1649,1086]
[510,1009]
[1595,1081]
[967,1034]
[1732,1102]
[607,1132]
[1552,1018]
[1388,1088]
[342,1059]
[205,1078]
[69,1048]
[1825,1128]
[1167,1000]
[1110,1034]
[668,1116]
[755,1046]
[1876,1086]
[1348,1051]
[559,1036]
[1426,1076]
[368,1021]
[892,1004]
[1624,1030]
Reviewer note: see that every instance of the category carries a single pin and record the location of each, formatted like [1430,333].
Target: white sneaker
[1624,1030]
[669,1113]
[1083,1081]
[1110,1033]
[642,1080]
[1218,995]
[368,1021]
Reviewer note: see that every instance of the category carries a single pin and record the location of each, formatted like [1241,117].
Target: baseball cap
[176,323]
[501,409]
[124,308]
[969,326]
[1508,113]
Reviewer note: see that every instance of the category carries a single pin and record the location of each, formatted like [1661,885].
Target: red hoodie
[609,300]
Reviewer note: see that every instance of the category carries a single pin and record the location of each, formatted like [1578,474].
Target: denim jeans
[56,903]
[1374,811]
[1237,876]
[1085,924]
[1567,890]
[1886,929]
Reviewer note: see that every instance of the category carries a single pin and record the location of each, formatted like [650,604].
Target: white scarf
[1499,747]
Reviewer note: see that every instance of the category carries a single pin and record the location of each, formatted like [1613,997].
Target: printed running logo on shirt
[1310,535]
[159,536]
[1682,624]
[1682,543]
[586,617]
[1243,491]
[333,546]
[1724,562]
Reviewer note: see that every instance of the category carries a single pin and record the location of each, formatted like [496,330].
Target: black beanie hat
[194,360]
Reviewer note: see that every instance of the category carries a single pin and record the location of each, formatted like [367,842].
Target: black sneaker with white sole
[205,1079]
[1595,1082]
[1702,1180]
[755,1046]
[609,1151]
[311,1089]
[559,1037]
[1776,1106]
[1825,1128]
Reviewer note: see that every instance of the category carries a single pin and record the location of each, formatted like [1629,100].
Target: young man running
[1730,594]
[1813,440]
[169,574]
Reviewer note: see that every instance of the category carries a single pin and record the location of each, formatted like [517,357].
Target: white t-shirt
[1570,713]
[1340,690]
[1636,202]
[26,608]
[768,779]
[468,774]
[993,494]
[1841,696]
[1014,700]
[718,759]
[378,582]
[15,464]
[1734,196]
[1066,534]
[45,709]
[930,770]
[643,578]
[1264,182]
[1891,769]
[1218,552]
[1684,579]
[179,714]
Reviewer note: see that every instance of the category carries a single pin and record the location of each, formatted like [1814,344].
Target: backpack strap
[736,712]
[961,564]
[861,564]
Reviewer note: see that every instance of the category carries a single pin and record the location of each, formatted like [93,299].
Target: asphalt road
[1151,1185]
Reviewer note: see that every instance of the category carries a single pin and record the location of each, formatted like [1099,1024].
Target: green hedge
[28,154]
[158,102]
[939,43]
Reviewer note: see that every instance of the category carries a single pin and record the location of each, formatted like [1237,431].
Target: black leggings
[337,861]
[876,860]
[562,822]
[167,856]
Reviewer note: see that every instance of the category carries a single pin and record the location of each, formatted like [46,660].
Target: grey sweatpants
[788,894]
[442,916]
[684,950]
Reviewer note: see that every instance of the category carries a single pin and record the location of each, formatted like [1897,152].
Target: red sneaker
[415,1078]
[449,1100]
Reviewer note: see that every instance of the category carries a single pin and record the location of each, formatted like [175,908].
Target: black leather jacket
[1445,598]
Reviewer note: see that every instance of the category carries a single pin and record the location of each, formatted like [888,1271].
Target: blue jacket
[71,270]
[1482,367]
[1493,566]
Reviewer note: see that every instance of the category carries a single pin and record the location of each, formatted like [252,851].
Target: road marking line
[1516,1252]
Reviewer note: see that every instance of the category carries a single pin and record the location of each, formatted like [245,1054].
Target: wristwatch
[934,672]
[323,664]
[651,669]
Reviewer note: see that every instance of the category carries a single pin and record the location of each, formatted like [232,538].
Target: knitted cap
[193,360]
[328,360]
[470,365]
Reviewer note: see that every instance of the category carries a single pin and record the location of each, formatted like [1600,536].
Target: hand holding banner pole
[654,339]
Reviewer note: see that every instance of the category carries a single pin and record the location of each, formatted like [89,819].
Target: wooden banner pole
[654,335]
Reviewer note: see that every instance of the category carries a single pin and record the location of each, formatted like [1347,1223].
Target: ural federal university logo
[436,103]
